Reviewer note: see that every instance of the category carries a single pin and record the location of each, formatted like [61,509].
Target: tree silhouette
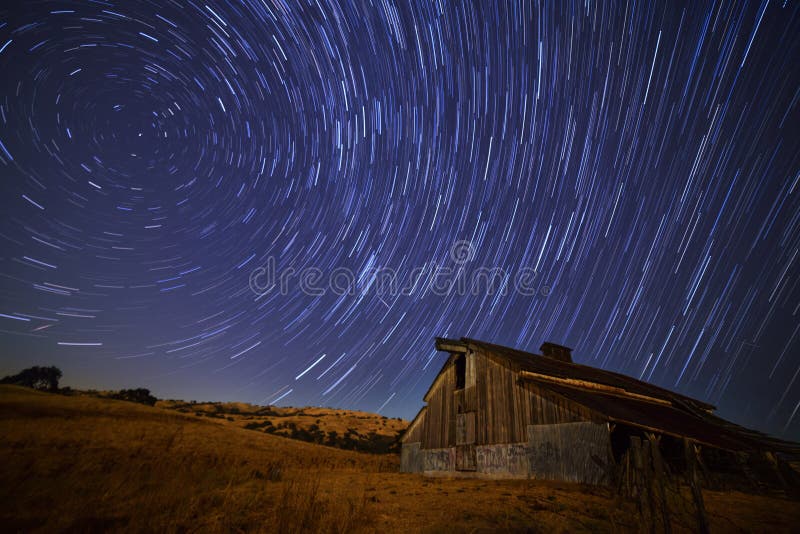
[44,378]
[140,395]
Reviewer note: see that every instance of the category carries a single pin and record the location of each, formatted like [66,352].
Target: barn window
[461,371]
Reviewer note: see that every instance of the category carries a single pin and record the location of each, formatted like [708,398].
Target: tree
[140,395]
[44,378]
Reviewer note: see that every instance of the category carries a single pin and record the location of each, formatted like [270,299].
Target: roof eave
[450,345]
[411,424]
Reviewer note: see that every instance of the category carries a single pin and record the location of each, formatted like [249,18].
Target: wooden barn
[497,412]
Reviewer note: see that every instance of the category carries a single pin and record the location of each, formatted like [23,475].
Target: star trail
[641,161]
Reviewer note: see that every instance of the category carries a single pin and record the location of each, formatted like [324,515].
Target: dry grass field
[347,429]
[87,464]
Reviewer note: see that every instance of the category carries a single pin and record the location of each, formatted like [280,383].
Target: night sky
[638,163]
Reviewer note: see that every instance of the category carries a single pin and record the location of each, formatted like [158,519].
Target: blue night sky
[635,165]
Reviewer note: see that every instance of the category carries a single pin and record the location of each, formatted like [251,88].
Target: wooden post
[640,487]
[772,459]
[659,478]
[635,452]
[694,483]
[742,461]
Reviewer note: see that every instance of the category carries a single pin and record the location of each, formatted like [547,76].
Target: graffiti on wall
[506,458]
[439,459]
[578,452]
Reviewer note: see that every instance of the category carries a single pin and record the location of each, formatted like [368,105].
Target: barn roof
[672,420]
[623,399]
[535,363]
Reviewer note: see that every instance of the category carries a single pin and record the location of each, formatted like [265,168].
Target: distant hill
[345,429]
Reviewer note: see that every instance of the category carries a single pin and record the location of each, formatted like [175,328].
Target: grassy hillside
[90,464]
[346,429]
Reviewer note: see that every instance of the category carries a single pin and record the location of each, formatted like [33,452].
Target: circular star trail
[640,163]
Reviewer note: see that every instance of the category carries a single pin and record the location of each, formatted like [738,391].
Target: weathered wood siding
[548,408]
[439,428]
[416,431]
[506,405]
[411,458]
[575,452]
[484,428]
[466,400]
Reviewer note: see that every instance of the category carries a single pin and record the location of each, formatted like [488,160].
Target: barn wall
[411,458]
[575,452]
[547,408]
[439,427]
[511,428]
[416,431]
[506,406]
[495,391]
[507,460]
[434,460]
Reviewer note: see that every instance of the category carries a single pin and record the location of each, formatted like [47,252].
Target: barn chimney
[556,352]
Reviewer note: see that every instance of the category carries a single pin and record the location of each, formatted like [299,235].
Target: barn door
[465,441]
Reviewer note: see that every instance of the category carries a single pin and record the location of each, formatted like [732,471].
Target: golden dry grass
[88,464]
[283,419]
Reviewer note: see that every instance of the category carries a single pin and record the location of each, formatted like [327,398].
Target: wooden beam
[595,386]
[450,345]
